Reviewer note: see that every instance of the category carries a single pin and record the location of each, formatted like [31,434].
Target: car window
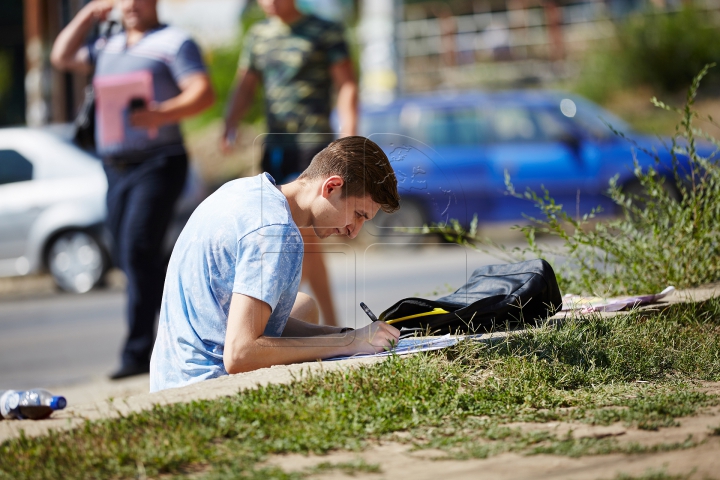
[14,167]
[434,127]
[552,126]
[378,123]
[459,127]
[593,125]
[590,119]
[446,126]
[513,124]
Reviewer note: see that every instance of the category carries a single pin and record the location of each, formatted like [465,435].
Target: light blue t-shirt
[241,239]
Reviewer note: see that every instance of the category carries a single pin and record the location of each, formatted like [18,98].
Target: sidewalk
[105,399]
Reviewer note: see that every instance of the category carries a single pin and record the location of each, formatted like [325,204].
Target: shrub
[661,50]
[222,63]
[667,50]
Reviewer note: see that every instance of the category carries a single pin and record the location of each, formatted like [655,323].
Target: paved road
[63,339]
[59,339]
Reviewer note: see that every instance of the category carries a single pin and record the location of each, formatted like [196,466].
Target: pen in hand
[410,332]
[368,312]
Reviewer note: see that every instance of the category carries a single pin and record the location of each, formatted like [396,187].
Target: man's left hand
[150,118]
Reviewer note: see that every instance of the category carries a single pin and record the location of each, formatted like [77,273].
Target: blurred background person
[160,69]
[298,59]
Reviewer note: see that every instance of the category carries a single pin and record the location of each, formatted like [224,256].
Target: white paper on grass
[409,345]
[600,304]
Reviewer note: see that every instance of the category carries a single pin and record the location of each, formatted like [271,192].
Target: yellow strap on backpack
[434,311]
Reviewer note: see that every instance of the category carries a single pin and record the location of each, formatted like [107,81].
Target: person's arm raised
[247,349]
[347,97]
[68,52]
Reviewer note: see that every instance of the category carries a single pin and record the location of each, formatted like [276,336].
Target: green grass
[652,475]
[460,400]
[348,468]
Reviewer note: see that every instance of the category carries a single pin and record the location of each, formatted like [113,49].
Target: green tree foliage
[661,50]
[667,50]
[222,64]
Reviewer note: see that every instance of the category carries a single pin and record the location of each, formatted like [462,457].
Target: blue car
[450,153]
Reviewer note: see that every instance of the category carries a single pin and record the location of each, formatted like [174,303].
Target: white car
[52,209]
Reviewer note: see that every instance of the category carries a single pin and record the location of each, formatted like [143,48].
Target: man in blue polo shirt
[147,78]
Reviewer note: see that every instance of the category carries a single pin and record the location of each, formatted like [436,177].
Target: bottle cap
[58,403]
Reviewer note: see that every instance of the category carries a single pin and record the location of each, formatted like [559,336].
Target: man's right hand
[374,338]
[227,141]
[98,9]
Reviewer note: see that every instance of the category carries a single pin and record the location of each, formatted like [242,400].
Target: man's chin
[328,232]
[322,234]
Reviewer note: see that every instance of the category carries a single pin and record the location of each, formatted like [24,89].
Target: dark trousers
[140,202]
[285,162]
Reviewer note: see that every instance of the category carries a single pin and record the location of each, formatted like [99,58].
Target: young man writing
[231,301]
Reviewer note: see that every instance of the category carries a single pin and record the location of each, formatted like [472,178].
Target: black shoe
[130,370]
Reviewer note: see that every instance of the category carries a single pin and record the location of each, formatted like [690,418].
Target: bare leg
[305,309]
[315,273]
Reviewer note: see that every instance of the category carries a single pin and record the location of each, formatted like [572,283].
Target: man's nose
[355,228]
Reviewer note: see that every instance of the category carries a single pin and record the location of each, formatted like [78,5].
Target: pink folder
[113,94]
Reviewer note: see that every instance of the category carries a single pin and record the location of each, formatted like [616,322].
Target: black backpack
[495,297]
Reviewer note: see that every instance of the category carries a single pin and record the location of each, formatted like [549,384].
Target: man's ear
[332,185]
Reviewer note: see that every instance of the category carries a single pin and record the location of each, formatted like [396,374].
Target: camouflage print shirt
[294,64]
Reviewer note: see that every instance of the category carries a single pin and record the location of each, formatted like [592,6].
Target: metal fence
[537,44]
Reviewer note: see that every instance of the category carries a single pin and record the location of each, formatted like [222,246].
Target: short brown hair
[364,168]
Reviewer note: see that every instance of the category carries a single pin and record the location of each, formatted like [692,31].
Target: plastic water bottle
[38,404]
[33,404]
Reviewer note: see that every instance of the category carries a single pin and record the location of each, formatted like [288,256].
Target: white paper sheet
[600,304]
[409,345]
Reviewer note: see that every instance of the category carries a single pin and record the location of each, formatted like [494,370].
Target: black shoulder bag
[495,297]
[84,122]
